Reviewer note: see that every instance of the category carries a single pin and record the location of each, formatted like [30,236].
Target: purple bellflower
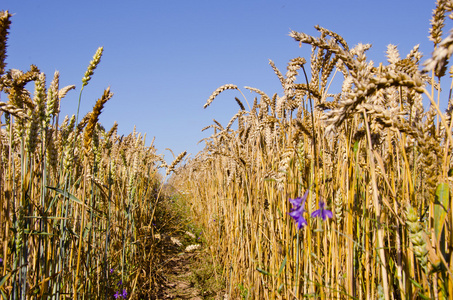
[321,212]
[121,295]
[297,212]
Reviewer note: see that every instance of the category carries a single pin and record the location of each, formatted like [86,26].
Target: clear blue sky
[163,59]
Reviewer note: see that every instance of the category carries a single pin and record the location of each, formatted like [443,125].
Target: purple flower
[111,270]
[117,294]
[298,210]
[119,283]
[124,294]
[297,215]
[299,201]
[321,212]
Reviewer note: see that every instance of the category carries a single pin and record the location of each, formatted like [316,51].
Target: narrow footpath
[186,269]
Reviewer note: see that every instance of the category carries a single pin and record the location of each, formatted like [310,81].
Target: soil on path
[188,275]
[185,273]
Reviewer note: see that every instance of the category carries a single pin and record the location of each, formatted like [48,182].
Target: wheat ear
[218,91]
[92,66]
[5,22]
[94,117]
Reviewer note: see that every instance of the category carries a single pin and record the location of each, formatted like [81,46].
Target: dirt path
[180,280]
[188,275]
[186,269]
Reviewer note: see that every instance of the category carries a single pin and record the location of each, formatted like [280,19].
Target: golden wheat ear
[5,22]
[92,66]
[13,110]
[175,162]
[94,117]
[218,91]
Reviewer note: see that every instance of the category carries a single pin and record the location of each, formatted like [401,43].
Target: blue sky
[163,59]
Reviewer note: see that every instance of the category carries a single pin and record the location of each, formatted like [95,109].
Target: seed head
[92,66]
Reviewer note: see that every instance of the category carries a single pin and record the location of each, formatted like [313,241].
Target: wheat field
[78,203]
[314,193]
[334,194]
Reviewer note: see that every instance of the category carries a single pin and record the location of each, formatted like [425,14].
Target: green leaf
[71,232]
[51,203]
[356,147]
[269,179]
[440,208]
[4,279]
[415,283]
[74,198]
[3,294]
[424,297]
[280,212]
[282,267]
[312,295]
[66,194]
[27,231]
[263,272]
